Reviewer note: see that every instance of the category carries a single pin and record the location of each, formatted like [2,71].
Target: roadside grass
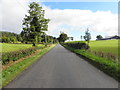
[6,47]
[10,73]
[108,66]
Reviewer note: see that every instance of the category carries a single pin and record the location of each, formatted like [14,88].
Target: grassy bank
[108,66]
[10,73]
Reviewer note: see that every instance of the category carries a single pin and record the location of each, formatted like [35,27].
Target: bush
[77,45]
[13,56]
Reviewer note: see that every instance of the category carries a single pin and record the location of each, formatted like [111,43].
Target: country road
[60,68]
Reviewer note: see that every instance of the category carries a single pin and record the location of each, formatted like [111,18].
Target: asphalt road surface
[60,68]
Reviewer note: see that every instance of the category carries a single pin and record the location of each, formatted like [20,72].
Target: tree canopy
[87,36]
[34,24]
[9,37]
[63,37]
[99,37]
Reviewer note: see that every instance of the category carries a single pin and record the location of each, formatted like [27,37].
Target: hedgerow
[15,55]
[77,45]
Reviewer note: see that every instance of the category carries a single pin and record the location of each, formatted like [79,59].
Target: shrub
[77,45]
[15,55]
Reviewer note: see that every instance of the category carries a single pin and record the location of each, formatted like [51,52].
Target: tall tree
[34,23]
[81,38]
[87,36]
[72,38]
[63,37]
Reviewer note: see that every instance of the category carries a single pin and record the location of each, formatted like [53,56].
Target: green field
[14,47]
[105,46]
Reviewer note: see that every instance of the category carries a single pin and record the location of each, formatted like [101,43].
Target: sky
[94,6]
[72,18]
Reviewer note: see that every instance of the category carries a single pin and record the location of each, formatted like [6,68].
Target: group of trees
[34,27]
[63,37]
[8,37]
[48,39]
[99,37]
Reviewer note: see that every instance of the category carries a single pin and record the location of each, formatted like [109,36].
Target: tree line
[34,27]
[9,37]
[63,37]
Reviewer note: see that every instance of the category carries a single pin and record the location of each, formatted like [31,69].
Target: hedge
[15,55]
[77,45]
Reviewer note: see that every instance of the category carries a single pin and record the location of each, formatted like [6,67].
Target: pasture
[105,46]
[6,47]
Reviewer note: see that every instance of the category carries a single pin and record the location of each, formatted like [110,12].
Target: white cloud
[100,21]
[13,13]
[67,20]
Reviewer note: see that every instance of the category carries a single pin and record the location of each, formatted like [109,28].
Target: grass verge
[109,67]
[10,73]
